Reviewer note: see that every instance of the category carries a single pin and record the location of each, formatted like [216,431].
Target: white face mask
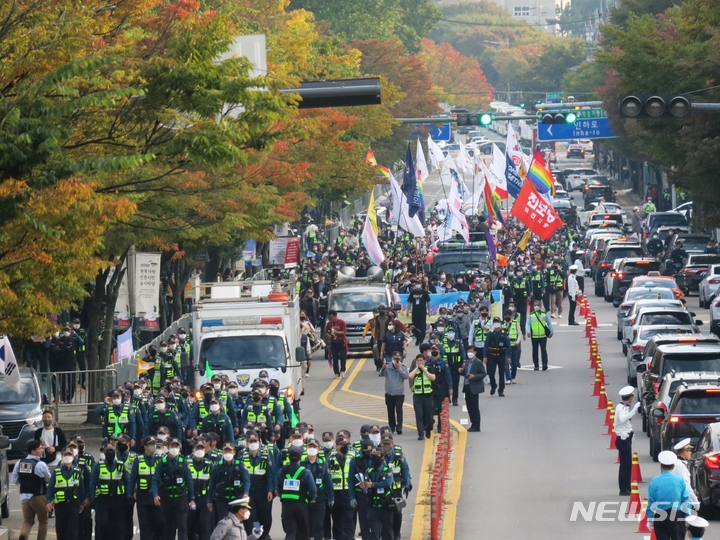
[328,445]
[309,436]
[162,436]
[253,446]
[75,451]
[76,326]
[496,325]
[68,459]
[216,386]
[451,335]
[160,452]
[152,448]
[116,402]
[375,438]
[228,456]
[471,355]
[163,349]
[297,443]
[312,452]
[137,392]
[199,454]
[182,336]
[536,308]
[214,407]
[391,327]
[160,407]
[233,391]
[174,452]
[66,334]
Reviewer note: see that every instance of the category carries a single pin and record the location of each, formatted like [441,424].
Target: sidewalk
[625,196]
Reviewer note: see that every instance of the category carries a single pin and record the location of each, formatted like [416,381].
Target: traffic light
[337,93]
[559,118]
[475,119]
[654,106]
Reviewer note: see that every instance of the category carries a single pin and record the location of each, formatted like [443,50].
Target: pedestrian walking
[419,302]
[232,527]
[66,495]
[229,481]
[393,341]
[539,329]
[33,475]
[396,373]
[496,355]
[475,372]
[668,500]
[624,436]
[573,289]
[297,490]
[511,326]
[53,438]
[335,330]
[422,386]
[443,379]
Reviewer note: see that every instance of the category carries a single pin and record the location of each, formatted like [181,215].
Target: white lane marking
[532,368]
[464,421]
[464,408]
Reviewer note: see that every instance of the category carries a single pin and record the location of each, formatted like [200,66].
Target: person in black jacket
[310,305]
[52,436]
[475,372]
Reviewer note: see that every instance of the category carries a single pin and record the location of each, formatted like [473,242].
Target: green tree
[584,81]
[546,70]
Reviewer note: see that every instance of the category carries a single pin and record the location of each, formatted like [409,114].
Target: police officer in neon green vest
[539,329]
[297,490]
[66,495]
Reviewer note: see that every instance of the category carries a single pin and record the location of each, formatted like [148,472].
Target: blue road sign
[443,133]
[584,128]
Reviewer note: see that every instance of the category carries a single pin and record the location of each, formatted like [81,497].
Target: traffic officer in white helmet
[624,436]
[683,449]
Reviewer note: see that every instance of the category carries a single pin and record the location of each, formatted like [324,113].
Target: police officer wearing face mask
[150,518]
[126,458]
[86,461]
[117,414]
[520,289]
[363,462]
[297,489]
[443,379]
[539,328]
[107,491]
[66,495]
[160,416]
[280,402]
[229,480]
[394,458]
[201,408]
[218,422]
[259,463]
[172,487]
[316,463]
[378,483]
[496,354]
[200,519]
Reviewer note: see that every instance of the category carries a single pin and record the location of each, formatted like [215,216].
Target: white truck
[242,327]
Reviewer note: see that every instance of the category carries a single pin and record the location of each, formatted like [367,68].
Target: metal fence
[71,393]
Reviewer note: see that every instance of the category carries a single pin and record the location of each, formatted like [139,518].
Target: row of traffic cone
[636,506]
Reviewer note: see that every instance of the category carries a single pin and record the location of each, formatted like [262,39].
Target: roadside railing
[439,474]
[73,392]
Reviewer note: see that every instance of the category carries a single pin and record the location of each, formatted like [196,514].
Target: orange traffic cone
[635,506]
[643,525]
[612,439]
[596,389]
[609,411]
[636,475]
[583,307]
[588,327]
[602,375]
[602,399]
[611,424]
[593,318]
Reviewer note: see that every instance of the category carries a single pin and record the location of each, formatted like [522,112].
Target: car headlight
[35,420]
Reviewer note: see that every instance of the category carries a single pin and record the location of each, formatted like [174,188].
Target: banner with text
[285,251]
[447,300]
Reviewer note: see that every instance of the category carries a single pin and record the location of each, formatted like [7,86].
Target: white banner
[125,345]
[147,289]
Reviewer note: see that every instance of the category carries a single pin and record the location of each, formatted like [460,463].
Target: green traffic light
[485,119]
[570,118]
[522,105]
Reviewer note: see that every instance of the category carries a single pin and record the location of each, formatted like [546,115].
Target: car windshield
[702,260]
[355,301]
[27,393]
[667,220]
[242,352]
[646,294]
[669,317]
[691,363]
[641,267]
[650,332]
[698,403]
[562,203]
[623,253]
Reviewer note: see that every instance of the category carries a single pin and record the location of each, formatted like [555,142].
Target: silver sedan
[708,288]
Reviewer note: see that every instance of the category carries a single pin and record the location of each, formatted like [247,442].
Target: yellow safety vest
[422,383]
[537,324]
[66,489]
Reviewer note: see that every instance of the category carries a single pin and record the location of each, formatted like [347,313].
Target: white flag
[420,163]
[464,160]
[511,143]
[400,211]
[497,170]
[435,152]
[455,202]
[8,364]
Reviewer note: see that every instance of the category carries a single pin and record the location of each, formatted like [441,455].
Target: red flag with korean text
[535,212]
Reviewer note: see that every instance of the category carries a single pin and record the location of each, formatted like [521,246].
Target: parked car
[668,314]
[21,412]
[610,279]
[691,409]
[628,270]
[666,390]
[708,287]
[693,272]
[566,210]
[704,468]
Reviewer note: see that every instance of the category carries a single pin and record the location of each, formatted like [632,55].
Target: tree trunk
[111,294]
[95,326]
[181,274]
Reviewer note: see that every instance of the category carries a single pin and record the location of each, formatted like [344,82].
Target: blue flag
[409,185]
[514,182]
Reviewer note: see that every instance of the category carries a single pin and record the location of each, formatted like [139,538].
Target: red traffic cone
[635,506]
[636,475]
[593,319]
[609,411]
[611,424]
[652,534]
[583,307]
[643,525]
[602,375]
[602,399]
[588,327]
[596,388]
[612,439]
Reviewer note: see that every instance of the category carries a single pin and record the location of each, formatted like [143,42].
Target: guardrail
[68,395]
[439,474]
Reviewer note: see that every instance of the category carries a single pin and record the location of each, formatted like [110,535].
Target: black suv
[628,270]
[704,467]
[597,193]
[692,408]
[615,249]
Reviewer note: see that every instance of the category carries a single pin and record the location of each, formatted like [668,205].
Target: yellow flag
[372,216]
[522,244]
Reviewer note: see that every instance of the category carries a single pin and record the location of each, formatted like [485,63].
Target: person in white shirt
[33,475]
[624,435]
[573,290]
[684,449]
[580,276]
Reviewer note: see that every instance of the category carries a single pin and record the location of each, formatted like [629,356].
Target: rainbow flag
[370,158]
[470,207]
[492,203]
[538,173]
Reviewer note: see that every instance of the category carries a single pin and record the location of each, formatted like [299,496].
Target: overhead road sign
[442,133]
[583,128]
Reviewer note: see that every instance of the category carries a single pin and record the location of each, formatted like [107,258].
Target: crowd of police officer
[179,460]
